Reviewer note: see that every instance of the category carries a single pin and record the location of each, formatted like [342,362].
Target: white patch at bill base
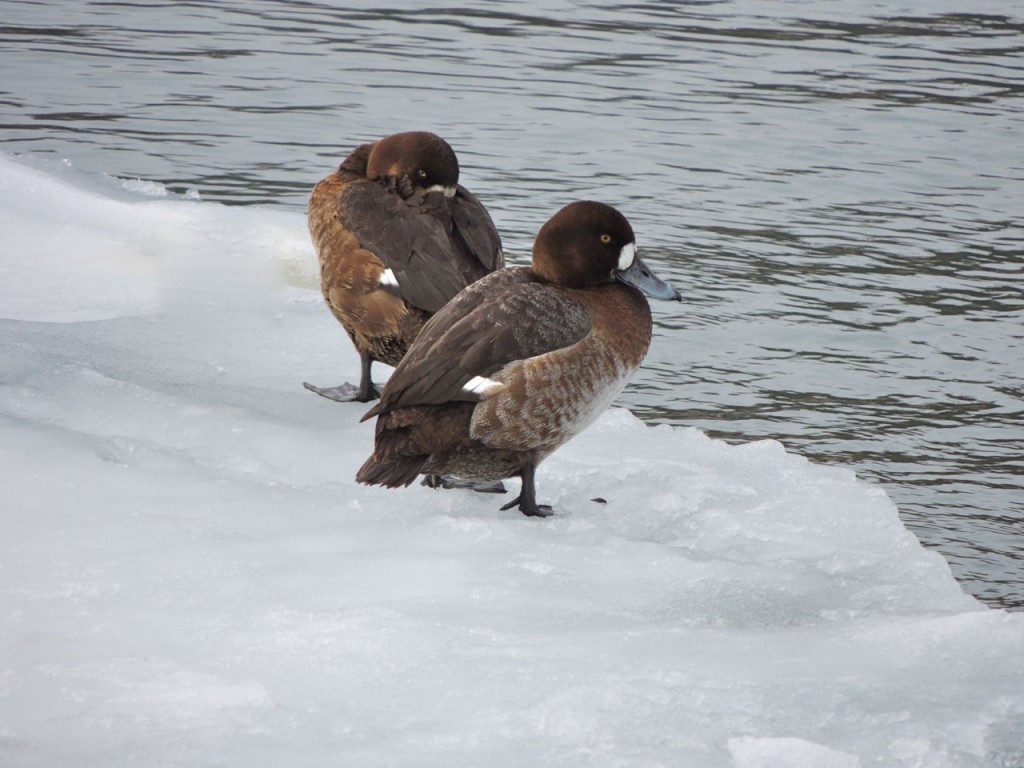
[626,256]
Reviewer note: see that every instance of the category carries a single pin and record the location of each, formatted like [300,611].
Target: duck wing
[507,316]
[474,226]
[434,245]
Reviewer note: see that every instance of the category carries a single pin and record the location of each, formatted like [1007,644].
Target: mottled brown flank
[378,322]
[551,398]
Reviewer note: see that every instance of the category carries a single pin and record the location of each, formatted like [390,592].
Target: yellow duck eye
[606,239]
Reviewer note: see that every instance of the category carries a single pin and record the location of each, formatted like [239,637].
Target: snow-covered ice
[189,575]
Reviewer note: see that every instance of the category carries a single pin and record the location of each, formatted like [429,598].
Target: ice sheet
[189,575]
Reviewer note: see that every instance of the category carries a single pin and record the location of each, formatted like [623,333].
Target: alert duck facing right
[520,361]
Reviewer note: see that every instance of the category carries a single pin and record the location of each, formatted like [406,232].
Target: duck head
[589,243]
[414,160]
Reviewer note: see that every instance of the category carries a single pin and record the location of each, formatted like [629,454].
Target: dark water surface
[837,189]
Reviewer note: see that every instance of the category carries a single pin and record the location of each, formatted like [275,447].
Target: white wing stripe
[479,385]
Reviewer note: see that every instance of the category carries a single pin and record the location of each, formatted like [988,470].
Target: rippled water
[837,189]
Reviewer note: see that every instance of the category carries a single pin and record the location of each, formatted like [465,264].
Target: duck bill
[640,276]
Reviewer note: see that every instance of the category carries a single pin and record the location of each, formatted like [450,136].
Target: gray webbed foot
[530,508]
[345,393]
[527,498]
[349,393]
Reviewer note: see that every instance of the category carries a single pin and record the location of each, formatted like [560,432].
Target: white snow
[189,575]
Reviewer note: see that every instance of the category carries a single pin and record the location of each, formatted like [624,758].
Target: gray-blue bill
[639,275]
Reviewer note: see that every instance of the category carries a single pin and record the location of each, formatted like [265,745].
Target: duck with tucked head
[521,360]
[397,237]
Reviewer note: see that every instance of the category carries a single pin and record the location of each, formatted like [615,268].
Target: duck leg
[527,498]
[347,393]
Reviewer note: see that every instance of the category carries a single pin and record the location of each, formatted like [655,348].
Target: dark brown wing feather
[507,316]
[434,245]
[474,226]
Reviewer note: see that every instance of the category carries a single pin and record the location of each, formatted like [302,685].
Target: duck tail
[391,474]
